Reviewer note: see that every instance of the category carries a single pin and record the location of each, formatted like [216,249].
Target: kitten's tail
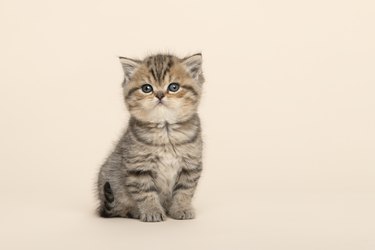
[108,203]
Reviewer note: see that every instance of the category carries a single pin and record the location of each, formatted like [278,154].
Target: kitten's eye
[173,87]
[147,88]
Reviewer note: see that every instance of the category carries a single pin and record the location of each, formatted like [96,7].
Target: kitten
[155,167]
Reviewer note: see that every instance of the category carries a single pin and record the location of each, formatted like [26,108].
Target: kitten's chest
[167,169]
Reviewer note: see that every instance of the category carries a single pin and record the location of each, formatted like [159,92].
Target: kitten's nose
[159,95]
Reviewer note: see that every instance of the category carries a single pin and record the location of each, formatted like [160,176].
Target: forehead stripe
[159,66]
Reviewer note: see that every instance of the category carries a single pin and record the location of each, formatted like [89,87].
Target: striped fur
[156,165]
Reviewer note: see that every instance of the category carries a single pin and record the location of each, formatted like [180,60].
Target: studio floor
[231,219]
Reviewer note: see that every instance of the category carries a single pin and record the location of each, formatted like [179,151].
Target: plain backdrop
[288,118]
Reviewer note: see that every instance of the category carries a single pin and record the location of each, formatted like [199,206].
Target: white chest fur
[167,169]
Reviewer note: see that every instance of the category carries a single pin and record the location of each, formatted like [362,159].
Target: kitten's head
[162,88]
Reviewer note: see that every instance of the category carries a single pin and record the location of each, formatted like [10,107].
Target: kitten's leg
[141,186]
[183,192]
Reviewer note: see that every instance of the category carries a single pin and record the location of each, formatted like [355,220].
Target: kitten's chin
[160,114]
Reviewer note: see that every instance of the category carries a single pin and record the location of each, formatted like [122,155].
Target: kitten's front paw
[152,216]
[182,213]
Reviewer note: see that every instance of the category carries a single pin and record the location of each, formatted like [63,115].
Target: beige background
[288,116]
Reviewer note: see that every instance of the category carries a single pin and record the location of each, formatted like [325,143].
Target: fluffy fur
[155,167]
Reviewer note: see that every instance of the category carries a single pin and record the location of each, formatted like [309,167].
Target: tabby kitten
[155,167]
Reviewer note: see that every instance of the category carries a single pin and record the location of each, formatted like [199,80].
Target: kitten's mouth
[160,102]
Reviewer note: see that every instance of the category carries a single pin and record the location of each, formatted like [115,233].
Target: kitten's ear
[129,66]
[193,64]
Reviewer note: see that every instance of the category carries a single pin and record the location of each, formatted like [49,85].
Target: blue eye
[146,88]
[173,87]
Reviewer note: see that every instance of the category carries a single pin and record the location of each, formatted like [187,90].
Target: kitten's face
[162,88]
